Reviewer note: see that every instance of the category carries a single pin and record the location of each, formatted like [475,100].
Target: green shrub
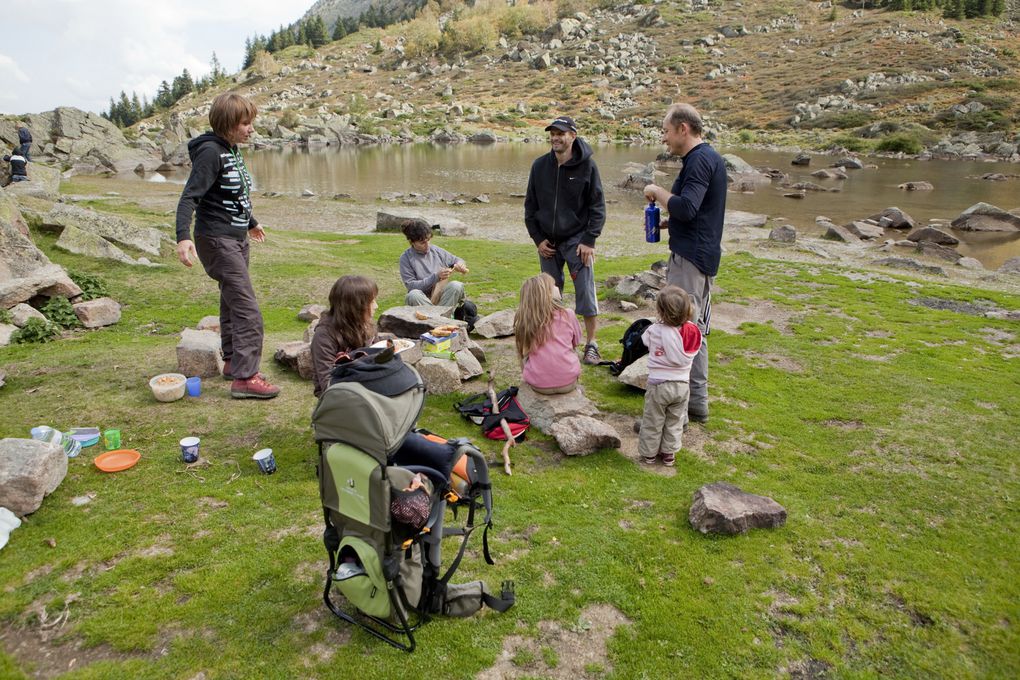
[521,20]
[5,316]
[91,286]
[35,330]
[841,120]
[745,137]
[900,142]
[469,35]
[60,311]
[290,119]
[851,143]
[421,37]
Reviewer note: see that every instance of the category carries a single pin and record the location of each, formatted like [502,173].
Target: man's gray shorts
[585,301]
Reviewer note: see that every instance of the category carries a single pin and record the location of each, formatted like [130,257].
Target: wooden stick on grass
[510,441]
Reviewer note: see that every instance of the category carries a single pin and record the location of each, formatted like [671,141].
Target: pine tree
[339,32]
[316,32]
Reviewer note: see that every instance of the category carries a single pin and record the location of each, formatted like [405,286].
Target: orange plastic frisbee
[115,461]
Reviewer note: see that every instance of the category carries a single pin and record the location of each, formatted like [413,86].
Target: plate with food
[399,344]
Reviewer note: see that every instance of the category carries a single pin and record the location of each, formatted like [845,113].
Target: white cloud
[83,52]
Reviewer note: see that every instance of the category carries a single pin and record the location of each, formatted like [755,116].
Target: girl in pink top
[672,341]
[546,335]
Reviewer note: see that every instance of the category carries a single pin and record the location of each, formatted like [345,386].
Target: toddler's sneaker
[668,459]
[648,462]
[591,354]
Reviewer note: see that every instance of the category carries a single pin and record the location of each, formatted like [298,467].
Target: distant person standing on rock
[564,210]
[696,205]
[218,192]
[19,166]
[25,142]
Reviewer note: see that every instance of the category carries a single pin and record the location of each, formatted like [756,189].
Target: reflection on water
[500,170]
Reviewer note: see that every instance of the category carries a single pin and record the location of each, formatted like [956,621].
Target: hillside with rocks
[805,73]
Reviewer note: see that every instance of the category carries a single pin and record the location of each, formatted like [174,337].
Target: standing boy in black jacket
[564,211]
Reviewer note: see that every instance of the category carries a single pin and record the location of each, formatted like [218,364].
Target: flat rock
[916,186]
[441,376]
[834,232]
[79,242]
[497,325]
[722,508]
[907,263]
[636,375]
[935,250]
[22,312]
[209,323]
[110,227]
[391,222]
[311,312]
[986,217]
[468,364]
[100,312]
[1010,266]
[477,350]
[43,182]
[6,331]
[547,409]
[742,218]
[29,471]
[864,230]
[198,353]
[801,159]
[581,435]
[297,356]
[403,321]
[933,235]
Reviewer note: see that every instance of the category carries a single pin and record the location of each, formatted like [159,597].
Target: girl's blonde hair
[534,313]
[350,305]
[674,306]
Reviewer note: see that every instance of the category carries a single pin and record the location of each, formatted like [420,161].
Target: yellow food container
[432,343]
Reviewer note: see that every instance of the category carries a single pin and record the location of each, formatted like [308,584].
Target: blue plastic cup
[189,449]
[194,386]
[265,460]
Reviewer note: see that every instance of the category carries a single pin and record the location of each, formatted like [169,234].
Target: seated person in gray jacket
[425,269]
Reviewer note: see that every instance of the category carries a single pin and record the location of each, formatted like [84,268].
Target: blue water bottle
[652,217]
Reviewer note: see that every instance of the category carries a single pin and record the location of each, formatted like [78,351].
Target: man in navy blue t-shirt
[696,206]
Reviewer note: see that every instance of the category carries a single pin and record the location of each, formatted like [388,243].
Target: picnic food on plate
[443,331]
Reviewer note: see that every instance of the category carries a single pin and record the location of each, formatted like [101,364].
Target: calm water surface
[500,170]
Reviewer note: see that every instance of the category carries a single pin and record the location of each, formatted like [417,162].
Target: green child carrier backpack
[385,522]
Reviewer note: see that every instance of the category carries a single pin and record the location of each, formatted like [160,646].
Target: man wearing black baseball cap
[564,210]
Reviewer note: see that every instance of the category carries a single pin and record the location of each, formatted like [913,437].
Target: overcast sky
[82,52]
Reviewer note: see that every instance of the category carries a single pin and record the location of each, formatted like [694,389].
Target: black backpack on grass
[633,347]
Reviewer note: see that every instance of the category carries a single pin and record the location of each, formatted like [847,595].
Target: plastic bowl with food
[168,386]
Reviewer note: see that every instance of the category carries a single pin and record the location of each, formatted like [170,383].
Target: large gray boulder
[100,312]
[742,218]
[441,376]
[90,143]
[29,471]
[110,227]
[21,313]
[547,409]
[79,242]
[404,322]
[6,331]
[43,182]
[10,213]
[722,508]
[496,325]
[893,218]
[933,235]
[864,230]
[50,280]
[390,222]
[986,217]
[581,435]
[198,353]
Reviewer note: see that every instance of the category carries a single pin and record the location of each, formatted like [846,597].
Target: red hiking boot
[255,387]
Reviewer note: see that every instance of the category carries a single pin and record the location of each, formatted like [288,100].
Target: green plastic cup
[111,439]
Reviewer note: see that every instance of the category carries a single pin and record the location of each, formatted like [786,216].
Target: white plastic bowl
[168,390]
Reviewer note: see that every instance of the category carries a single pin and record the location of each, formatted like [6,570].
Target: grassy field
[888,430]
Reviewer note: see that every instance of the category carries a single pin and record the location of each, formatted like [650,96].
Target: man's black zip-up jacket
[565,200]
[218,191]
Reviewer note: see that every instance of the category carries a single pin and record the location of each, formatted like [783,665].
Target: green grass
[892,444]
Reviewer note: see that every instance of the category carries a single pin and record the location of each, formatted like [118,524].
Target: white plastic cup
[189,449]
[265,460]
